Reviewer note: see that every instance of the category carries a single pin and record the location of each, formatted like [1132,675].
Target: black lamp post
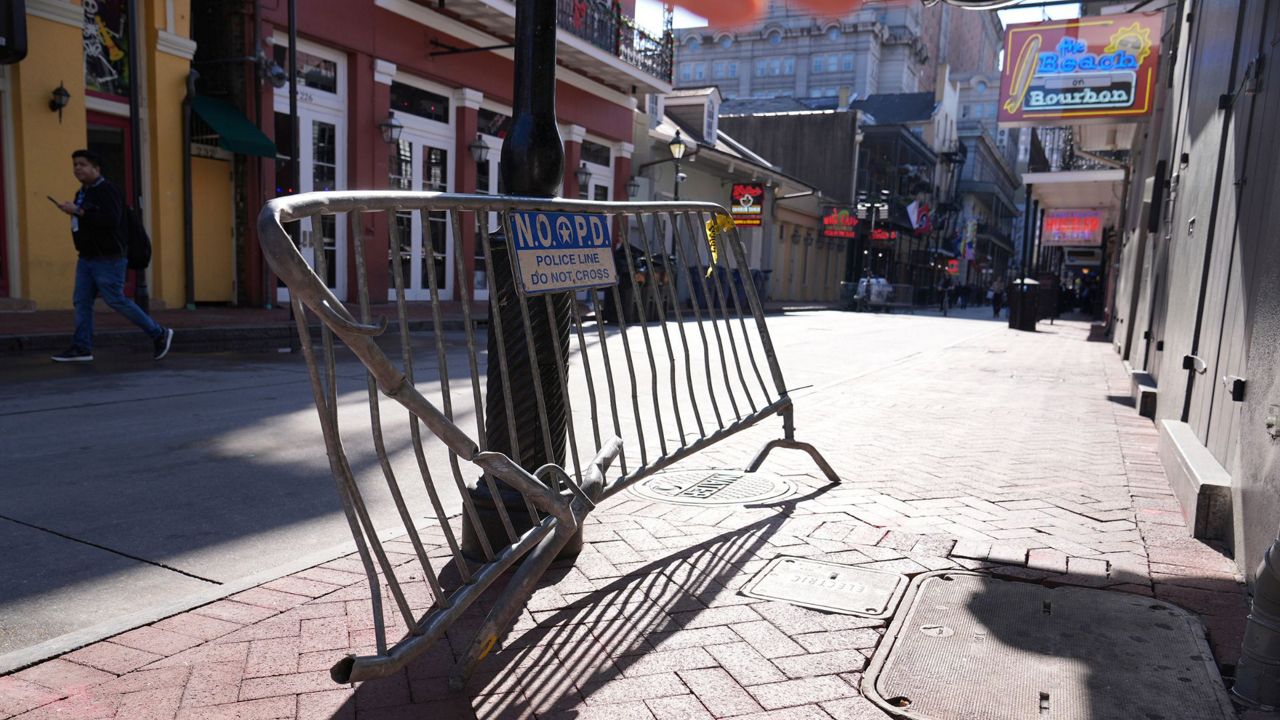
[532,166]
[583,176]
[678,149]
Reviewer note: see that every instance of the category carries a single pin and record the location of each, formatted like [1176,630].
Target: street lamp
[391,129]
[583,176]
[479,149]
[677,148]
[633,188]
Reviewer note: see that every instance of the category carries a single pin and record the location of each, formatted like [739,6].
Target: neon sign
[1091,67]
[882,235]
[1071,228]
[839,222]
[1073,56]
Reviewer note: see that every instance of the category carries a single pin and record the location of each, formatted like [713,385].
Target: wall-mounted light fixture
[391,129]
[59,100]
[633,188]
[479,149]
[583,176]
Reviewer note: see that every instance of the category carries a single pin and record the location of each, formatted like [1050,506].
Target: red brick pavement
[1003,453]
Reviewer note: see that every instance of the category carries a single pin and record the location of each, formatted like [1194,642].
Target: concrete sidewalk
[1015,453]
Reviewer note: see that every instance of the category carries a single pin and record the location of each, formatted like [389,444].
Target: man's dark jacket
[101,233]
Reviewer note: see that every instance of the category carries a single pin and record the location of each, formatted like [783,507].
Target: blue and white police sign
[556,252]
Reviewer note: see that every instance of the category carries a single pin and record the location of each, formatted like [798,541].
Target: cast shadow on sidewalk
[555,662]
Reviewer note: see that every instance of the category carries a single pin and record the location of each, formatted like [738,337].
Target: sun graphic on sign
[1134,40]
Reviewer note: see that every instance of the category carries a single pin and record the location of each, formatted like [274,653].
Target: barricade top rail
[556,397]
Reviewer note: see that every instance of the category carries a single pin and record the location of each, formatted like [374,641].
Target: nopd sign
[562,251]
[1089,68]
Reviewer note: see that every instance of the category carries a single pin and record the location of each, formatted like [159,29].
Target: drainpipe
[188,233]
[140,294]
[1258,672]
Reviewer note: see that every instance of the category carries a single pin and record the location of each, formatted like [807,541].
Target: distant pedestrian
[997,297]
[98,230]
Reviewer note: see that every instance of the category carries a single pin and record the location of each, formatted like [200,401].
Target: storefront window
[313,71]
[416,101]
[106,46]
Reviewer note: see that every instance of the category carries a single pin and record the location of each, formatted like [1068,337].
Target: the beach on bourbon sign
[558,252]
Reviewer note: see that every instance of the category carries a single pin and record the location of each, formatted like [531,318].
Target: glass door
[321,166]
[421,162]
[487,183]
[322,150]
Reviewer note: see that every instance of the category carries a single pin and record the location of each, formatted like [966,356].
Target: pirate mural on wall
[106,46]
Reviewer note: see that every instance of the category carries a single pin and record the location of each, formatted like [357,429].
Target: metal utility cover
[828,586]
[714,487]
[970,646]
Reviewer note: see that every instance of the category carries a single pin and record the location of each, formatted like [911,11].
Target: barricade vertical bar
[326,335]
[375,423]
[568,407]
[357,514]
[711,314]
[748,289]
[765,341]
[675,308]
[504,372]
[638,296]
[728,321]
[464,299]
[415,433]
[677,243]
[586,365]
[535,368]
[631,370]
[442,361]
[597,304]
[659,303]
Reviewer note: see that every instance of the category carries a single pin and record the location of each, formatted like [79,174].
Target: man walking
[98,230]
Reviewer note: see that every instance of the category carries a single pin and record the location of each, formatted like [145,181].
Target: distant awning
[235,133]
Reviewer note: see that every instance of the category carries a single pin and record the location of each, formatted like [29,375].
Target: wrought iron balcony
[604,25]
[596,39]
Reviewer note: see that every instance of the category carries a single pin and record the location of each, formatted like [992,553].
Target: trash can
[1024,305]
[848,296]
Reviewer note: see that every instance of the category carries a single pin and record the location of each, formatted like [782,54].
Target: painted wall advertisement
[1089,68]
[746,204]
[1071,228]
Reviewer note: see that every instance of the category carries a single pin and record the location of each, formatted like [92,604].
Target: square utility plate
[828,586]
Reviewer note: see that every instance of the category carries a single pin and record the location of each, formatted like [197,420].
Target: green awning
[235,133]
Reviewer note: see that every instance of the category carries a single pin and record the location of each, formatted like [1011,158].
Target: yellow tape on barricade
[716,225]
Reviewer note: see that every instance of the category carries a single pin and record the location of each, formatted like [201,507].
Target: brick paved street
[1010,452]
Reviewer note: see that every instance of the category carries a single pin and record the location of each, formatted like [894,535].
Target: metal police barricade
[661,387]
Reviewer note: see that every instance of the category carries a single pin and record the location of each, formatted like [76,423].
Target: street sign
[557,252]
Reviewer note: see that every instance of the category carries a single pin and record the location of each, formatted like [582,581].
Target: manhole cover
[828,586]
[714,487]
[970,646]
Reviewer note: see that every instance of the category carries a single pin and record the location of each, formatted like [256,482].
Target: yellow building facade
[82,48]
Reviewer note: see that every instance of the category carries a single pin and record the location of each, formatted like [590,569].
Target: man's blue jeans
[105,277]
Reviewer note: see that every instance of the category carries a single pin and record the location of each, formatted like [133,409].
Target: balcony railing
[604,25]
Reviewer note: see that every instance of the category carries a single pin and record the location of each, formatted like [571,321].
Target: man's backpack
[137,242]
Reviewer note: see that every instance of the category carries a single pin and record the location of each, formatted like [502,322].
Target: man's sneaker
[162,343]
[73,354]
